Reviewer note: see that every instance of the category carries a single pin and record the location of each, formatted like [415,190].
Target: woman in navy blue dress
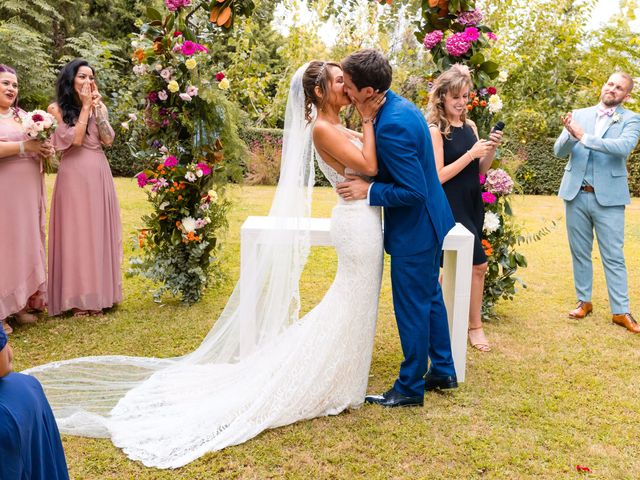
[460,158]
[30,445]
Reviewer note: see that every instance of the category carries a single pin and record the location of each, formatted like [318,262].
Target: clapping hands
[572,126]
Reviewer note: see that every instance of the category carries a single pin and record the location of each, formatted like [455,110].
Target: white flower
[502,76]
[164,150]
[188,224]
[192,91]
[162,95]
[185,96]
[495,103]
[166,74]
[125,125]
[190,176]
[199,172]
[164,205]
[140,69]
[491,222]
[133,116]
[213,195]
[616,118]
[158,67]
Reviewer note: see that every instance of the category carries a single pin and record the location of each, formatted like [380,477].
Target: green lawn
[553,394]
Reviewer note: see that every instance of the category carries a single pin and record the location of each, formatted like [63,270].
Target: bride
[275,369]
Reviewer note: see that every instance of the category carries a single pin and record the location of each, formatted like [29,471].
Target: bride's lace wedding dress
[168,412]
[317,366]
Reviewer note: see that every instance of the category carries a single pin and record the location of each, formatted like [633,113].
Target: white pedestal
[456,280]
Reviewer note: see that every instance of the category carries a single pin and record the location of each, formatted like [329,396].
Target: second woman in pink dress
[85,234]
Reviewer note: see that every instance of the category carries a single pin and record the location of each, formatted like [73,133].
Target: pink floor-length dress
[23,277]
[85,233]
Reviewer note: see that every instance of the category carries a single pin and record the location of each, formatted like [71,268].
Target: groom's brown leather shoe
[627,321]
[582,309]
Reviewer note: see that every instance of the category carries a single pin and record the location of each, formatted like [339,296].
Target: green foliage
[538,170]
[31,61]
[121,161]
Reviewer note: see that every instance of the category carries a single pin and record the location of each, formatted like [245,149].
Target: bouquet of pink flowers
[38,125]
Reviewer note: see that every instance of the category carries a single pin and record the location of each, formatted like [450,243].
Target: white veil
[83,391]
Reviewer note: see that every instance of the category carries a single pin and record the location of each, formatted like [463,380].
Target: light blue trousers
[584,215]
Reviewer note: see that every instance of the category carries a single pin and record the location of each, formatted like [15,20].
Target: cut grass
[553,394]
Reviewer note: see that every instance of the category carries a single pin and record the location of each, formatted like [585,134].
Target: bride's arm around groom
[417,217]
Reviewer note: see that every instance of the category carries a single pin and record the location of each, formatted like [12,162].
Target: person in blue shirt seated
[30,445]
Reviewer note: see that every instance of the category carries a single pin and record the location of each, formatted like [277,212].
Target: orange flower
[175,184]
[139,54]
[488,249]
[172,189]
[475,102]
[469,107]
[179,197]
[159,168]
[472,95]
[162,217]
[178,223]
[483,103]
[157,47]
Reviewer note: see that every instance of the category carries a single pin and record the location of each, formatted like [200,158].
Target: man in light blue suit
[594,187]
[417,217]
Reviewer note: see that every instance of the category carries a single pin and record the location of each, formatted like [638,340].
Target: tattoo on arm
[104,129]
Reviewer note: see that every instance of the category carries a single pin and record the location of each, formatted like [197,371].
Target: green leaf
[154,14]
[489,66]
[477,59]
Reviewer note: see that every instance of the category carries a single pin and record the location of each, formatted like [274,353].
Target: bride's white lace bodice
[328,171]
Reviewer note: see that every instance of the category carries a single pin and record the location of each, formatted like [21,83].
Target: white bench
[456,281]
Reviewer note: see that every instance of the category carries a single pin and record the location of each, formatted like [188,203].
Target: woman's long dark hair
[66,95]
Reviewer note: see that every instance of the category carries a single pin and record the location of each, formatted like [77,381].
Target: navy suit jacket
[417,215]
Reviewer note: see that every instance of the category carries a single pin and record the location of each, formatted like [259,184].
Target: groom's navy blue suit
[417,217]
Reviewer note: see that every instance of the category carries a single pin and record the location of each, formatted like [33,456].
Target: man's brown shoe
[582,310]
[627,321]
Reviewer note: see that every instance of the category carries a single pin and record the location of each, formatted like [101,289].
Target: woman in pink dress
[85,234]
[23,278]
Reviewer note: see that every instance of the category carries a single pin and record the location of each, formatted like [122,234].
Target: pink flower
[206,169]
[192,91]
[432,39]
[162,95]
[482,179]
[492,90]
[142,179]
[170,161]
[220,76]
[471,34]
[488,197]
[474,17]
[457,44]
[492,36]
[188,48]
[186,97]
[499,182]
[173,5]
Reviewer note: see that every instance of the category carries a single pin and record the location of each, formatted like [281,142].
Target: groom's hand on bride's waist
[354,188]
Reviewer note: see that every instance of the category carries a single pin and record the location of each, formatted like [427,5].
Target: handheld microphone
[498,127]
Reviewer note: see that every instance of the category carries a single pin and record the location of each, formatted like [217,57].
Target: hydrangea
[473,17]
[457,44]
[491,222]
[499,182]
[432,39]
[140,69]
[173,5]
[495,103]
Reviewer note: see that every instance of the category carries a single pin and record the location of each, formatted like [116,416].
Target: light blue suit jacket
[608,151]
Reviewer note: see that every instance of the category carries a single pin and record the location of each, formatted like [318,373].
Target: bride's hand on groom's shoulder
[354,188]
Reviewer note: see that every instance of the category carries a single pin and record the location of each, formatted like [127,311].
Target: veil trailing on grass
[83,391]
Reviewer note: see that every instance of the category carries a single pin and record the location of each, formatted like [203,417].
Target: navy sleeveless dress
[464,191]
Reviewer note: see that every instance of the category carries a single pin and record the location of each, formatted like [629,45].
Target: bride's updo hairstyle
[318,75]
[452,81]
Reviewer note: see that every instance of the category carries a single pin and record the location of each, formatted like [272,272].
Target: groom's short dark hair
[368,68]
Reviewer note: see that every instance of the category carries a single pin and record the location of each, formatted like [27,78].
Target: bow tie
[605,111]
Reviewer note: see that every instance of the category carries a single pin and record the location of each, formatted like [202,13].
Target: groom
[416,217]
